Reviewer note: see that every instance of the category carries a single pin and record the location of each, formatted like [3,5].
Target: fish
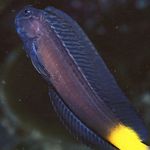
[83,91]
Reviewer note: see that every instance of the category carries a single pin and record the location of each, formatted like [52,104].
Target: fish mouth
[20,30]
[24,29]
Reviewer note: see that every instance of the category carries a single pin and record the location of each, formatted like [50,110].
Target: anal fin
[75,126]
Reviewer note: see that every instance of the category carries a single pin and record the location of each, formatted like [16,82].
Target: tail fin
[125,138]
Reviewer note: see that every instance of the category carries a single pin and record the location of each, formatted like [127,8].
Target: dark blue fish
[84,93]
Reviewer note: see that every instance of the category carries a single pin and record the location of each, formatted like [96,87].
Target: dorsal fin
[101,80]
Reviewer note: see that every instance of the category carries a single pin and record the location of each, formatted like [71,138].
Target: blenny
[83,91]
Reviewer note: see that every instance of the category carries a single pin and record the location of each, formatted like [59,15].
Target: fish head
[29,22]
[29,26]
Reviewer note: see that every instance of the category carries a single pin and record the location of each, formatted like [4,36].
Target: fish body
[82,85]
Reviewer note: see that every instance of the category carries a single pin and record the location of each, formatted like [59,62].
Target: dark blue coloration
[94,69]
[73,44]
[76,127]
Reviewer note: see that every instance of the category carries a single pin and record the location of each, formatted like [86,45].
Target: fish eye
[27,12]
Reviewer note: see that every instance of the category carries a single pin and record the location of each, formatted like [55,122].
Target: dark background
[120,30]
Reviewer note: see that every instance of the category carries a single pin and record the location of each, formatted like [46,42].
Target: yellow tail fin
[125,138]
